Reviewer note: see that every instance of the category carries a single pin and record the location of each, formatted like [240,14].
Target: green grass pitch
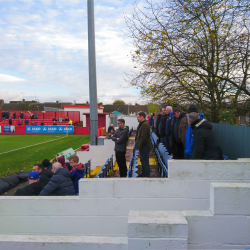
[24,158]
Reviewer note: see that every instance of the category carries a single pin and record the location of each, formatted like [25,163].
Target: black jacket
[110,129]
[163,125]
[157,124]
[122,134]
[60,184]
[31,189]
[175,123]
[204,141]
[46,175]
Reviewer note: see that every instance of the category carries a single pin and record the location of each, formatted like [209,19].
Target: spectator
[155,120]
[168,133]
[10,121]
[44,173]
[14,115]
[67,119]
[163,117]
[3,116]
[32,123]
[149,117]
[120,137]
[70,122]
[54,119]
[42,123]
[157,123]
[151,121]
[47,164]
[142,142]
[34,188]
[60,184]
[163,135]
[177,146]
[60,119]
[111,130]
[36,115]
[35,124]
[204,141]
[189,141]
[21,115]
[54,123]
[7,115]
[26,122]
[31,116]
[78,171]
[61,159]
[20,121]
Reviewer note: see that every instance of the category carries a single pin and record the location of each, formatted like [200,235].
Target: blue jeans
[144,156]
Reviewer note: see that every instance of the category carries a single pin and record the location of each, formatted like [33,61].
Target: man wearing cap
[204,141]
[177,145]
[44,173]
[34,188]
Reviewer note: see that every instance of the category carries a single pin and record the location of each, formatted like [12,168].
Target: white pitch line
[32,145]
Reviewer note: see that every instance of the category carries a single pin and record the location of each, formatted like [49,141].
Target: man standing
[204,141]
[121,138]
[111,130]
[157,123]
[14,115]
[177,145]
[3,116]
[21,115]
[163,129]
[142,142]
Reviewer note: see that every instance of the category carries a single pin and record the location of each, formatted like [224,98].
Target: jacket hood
[61,159]
[202,123]
[201,115]
[64,172]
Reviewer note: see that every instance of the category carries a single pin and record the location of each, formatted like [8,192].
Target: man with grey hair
[60,183]
[204,141]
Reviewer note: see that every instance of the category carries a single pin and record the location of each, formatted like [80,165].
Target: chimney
[56,101]
[23,100]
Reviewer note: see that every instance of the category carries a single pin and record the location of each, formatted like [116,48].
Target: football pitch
[21,152]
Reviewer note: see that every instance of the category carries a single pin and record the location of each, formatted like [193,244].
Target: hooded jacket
[204,141]
[77,173]
[60,184]
[189,138]
[121,143]
[61,159]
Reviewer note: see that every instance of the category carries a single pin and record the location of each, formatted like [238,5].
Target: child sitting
[77,172]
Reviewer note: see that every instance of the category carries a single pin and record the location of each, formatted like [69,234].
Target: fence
[233,140]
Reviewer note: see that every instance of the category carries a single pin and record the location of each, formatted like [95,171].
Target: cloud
[8,78]
[46,43]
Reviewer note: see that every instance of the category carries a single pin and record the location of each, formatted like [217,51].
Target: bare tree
[192,51]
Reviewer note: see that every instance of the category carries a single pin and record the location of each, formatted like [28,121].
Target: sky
[44,51]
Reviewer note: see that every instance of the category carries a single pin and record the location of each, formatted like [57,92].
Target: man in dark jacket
[3,116]
[157,123]
[47,165]
[163,129]
[7,115]
[142,142]
[10,121]
[14,115]
[34,188]
[177,145]
[21,115]
[121,138]
[60,184]
[44,173]
[204,141]
[26,122]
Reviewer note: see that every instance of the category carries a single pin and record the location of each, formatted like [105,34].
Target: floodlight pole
[92,75]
